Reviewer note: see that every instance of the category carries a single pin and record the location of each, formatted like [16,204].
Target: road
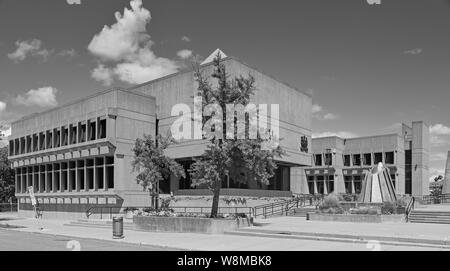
[11,240]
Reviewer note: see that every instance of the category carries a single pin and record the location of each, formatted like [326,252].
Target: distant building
[339,164]
[78,156]
[446,182]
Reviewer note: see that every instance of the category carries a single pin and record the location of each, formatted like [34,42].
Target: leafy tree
[436,189]
[6,177]
[152,166]
[239,159]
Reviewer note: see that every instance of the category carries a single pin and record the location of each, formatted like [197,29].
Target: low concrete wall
[355,218]
[188,224]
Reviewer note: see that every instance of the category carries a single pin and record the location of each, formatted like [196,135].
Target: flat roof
[81,100]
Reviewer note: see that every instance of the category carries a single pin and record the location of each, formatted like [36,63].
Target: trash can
[117,227]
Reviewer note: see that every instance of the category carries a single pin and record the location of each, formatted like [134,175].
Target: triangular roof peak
[211,57]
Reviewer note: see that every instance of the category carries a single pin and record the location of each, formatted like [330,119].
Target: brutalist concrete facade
[339,164]
[78,156]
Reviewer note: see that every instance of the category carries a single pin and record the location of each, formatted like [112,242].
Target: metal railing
[110,211]
[409,208]
[285,206]
[436,199]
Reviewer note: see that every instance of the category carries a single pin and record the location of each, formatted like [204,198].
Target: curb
[391,240]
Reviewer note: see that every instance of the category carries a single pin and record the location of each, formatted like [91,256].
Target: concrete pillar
[420,158]
[174,183]
[446,186]
[315,185]
[353,185]
[298,183]
[105,184]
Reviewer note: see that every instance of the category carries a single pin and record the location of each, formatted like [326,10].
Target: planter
[188,224]
[355,218]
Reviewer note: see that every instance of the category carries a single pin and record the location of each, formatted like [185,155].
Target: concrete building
[79,155]
[339,164]
[446,181]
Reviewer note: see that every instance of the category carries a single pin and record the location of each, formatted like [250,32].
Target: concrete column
[174,183]
[86,186]
[39,180]
[95,176]
[446,186]
[315,185]
[420,158]
[16,179]
[353,185]
[53,179]
[105,184]
[77,184]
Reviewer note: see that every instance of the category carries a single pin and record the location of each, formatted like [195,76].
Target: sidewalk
[191,241]
[414,232]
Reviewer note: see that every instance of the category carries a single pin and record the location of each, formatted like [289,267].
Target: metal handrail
[439,199]
[283,207]
[409,208]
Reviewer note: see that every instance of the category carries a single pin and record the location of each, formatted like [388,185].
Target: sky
[369,67]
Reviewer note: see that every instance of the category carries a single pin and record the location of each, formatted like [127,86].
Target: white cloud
[67,52]
[185,39]
[439,129]
[330,116]
[71,2]
[2,106]
[184,54]
[435,172]
[30,47]
[316,108]
[319,113]
[102,74]
[43,97]
[127,45]
[437,140]
[5,132]
[440,156]
[439,134]
[415,51]
[341,134]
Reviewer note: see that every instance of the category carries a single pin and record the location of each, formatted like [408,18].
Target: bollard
[117,225]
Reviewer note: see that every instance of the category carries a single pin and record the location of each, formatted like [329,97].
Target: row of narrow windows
[366,159]
[72,176]
[324,184]
[59,137]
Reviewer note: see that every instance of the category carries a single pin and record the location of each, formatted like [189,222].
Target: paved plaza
[191,241]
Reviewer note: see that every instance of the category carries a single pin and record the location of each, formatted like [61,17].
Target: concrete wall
[446,185]
[128,115]
[415,138]
[295,107]
[420,159]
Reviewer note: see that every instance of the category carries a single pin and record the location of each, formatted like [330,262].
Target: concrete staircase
[425,216]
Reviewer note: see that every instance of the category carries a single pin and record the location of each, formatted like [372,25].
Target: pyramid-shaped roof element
[211,57]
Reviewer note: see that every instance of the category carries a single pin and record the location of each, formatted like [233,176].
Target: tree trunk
[216,196]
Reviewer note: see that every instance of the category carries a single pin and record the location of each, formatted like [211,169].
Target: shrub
[402,201]
[330,201]
[388,208]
